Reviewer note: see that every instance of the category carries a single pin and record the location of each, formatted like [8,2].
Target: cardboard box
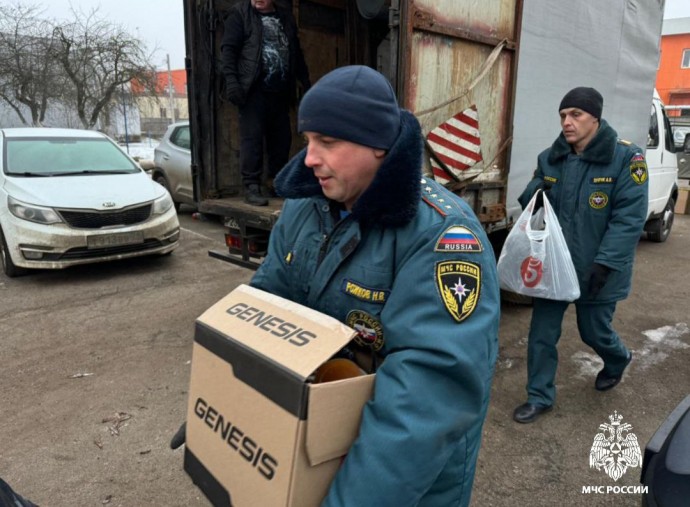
[258,433]
[683,203]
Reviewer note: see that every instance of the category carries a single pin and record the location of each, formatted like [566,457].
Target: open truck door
[332,33]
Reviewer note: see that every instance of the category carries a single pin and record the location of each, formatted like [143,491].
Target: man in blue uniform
[597,185]
[365,238]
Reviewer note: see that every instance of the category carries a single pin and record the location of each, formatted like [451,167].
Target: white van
[662,165]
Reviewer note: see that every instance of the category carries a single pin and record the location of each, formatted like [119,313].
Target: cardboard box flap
[334,415]
[297,337]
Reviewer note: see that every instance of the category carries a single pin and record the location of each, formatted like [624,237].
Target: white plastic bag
[535,260]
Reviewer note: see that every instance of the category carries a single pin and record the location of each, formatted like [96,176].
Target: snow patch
[589,364]
[661,343]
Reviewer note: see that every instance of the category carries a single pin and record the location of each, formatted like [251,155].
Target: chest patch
[364,293]
[458,239]
[458,284]
[369,329]
[598,200]
[638,169]
[603,179]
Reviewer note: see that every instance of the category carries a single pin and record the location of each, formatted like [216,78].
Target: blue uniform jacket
[600,199]
[412,268]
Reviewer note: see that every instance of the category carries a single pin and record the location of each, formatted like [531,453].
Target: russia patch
[458,239]
[459,284]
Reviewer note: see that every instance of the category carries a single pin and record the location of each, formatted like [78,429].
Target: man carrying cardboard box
[365,238]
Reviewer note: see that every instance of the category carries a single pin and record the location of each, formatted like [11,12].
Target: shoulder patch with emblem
[458,239]
[638,169]
[550,179]
[369,329]
[459,284]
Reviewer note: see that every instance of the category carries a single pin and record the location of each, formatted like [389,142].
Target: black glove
[597,278]
[544,186]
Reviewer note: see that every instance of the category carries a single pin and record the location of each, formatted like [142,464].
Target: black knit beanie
[587,99]
[354,103]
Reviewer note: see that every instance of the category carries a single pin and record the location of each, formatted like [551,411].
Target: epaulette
[434,199]
[623,141]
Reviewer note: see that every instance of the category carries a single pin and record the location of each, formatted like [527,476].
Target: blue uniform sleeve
[628,215]
[527,194]
[431,391]
[272,276]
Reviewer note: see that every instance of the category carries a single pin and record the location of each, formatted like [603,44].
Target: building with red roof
[168,104]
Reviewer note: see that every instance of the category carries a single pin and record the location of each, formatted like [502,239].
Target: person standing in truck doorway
[597,184]
[365,238]
[261,62]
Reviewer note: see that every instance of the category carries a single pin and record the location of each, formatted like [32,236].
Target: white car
[72,197]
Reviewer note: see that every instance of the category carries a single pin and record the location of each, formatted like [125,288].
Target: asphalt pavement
[96,359]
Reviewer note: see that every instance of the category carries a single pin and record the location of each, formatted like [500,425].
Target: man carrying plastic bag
[597,185]
[535,260]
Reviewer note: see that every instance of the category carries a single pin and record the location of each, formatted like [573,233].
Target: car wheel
[660,228]
[8,266]
[162,181]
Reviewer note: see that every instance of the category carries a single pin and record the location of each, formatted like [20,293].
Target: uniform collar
[393,197]
[600,149]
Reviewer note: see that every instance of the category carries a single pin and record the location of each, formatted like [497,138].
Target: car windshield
[64,157]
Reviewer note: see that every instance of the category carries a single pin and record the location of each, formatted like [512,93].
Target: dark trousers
[594,325]
[264,117]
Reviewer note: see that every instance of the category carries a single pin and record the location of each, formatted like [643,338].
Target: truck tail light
[256,244]
[233,242]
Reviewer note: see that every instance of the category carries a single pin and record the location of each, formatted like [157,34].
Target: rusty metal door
[457,61]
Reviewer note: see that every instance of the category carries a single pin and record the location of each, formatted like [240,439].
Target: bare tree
[29,78]
[99,57]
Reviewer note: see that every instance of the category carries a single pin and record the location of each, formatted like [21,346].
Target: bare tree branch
[98,58]
[29,78]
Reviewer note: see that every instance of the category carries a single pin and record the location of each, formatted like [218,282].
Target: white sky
[160,23]
[677,9]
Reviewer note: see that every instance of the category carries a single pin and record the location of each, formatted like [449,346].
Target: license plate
[117,239]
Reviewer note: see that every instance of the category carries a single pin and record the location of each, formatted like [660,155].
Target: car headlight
[32,213]
[162,205]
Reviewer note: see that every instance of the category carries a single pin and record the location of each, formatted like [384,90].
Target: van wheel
[659,229]
[162,181]
[8,266]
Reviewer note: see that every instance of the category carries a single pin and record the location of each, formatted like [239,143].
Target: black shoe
[528,412]
[270,193]
[253,196]
[604,381]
